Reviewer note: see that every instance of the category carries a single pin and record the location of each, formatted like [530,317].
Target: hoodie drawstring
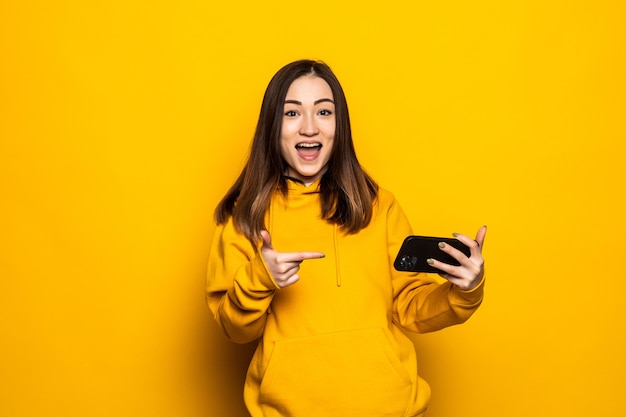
[336,246]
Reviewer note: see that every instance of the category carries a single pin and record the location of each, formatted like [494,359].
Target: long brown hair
[347,193]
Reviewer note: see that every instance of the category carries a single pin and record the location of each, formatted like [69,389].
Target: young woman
[329,329]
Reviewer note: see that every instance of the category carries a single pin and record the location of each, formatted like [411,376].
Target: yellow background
[123,122]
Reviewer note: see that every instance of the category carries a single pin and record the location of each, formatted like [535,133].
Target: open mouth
[309,146]
[308,150]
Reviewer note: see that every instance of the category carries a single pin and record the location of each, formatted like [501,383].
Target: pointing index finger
[302,256]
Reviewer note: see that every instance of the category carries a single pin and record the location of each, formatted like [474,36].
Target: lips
[308,150]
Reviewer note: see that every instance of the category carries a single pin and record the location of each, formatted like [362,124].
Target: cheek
[330,128]
[330,151]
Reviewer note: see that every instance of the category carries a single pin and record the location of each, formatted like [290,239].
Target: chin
[310,175]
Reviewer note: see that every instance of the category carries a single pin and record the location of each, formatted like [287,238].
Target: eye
[325,112]
[291,113]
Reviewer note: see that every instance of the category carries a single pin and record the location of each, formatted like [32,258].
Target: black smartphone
[416,250]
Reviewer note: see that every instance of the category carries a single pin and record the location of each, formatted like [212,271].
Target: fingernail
[323,255]
[441,245]
[429,261]
[455,234]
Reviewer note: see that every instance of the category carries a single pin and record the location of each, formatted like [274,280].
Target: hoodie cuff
[473,296]
[262,275]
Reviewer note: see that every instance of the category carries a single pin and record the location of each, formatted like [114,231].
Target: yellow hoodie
[331,344]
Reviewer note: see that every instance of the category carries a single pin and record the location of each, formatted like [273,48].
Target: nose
[309,127]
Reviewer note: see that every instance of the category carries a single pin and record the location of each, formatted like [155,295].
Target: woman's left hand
[472,269]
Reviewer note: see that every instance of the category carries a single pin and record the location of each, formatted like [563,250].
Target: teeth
[308,145]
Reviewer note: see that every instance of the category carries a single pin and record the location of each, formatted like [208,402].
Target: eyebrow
[316,102]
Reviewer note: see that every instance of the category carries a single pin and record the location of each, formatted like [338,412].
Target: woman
[329,329]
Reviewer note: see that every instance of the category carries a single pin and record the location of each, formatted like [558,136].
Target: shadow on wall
[225,372]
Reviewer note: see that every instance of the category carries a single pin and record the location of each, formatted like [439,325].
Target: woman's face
[308,128]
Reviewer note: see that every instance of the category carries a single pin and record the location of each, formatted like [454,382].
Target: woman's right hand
[284,266]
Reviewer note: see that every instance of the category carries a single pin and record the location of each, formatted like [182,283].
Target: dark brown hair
[347,193]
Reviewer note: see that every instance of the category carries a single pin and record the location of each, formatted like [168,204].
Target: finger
[312,255]
[289,281]
[473,245]
[452,251]
[466,240]
[301,256]
[456,275]
[287,274]
[446,269]
[267,240]
[453,279]
[282,272]
[460,256]
[480,236]
[467,265]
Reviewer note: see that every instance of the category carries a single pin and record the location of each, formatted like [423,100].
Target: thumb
[267,240]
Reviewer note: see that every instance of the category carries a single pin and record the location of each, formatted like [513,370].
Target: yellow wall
[122,123]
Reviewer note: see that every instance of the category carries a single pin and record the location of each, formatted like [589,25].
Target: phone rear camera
[407,262]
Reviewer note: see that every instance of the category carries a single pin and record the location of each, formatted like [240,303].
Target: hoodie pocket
[354,373]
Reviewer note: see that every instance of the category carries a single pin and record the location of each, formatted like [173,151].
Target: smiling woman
[308,128]
[336,319]
[347,192]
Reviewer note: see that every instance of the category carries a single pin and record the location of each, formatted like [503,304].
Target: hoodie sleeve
[422,303]
[239,288]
